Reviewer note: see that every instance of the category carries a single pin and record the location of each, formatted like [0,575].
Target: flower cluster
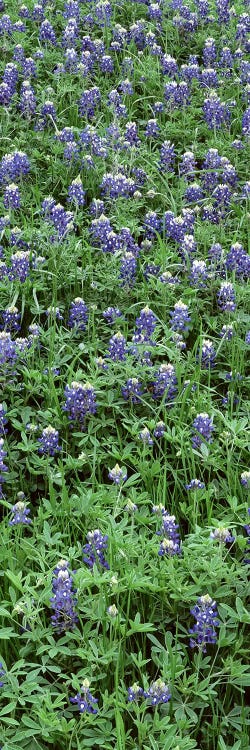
[204,630]
[80,402]
[85,700]
[63,601]
[170,544]
[49,444]
[157,693]
[202,429]
[95,549]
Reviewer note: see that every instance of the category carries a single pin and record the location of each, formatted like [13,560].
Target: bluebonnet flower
[167,156]
[152,224]
[62,220]
[187,165]
[107,64]
[179,317]
[6,25]
[111,314]
[209,51]
[245,192]
[100,363]
[165,383]
[209,78]
[3,467]
[131,135]
[22,344]
[194,193]
[100,228]
[49,441]
[112,611]
[128,269]
[94,550]
[3,420]
[238,260]
[222,196]
[169,66]
[152,129]
[117,185]
[20,512]
[247,529]
[246,122]
[11,319]
[223,13]
[70,33]
[169,530]
[247,338]
[145,436]
[158,107]
[210,213]
[151,269]
[245,479]
[46,33]
[223,535]
[204,630]
[80,402]
[29,67]
[89,101]
[207,354]
[5,94]
[117,474]
[10,77]
[187,246]
[85,700]
[145,325]
[237,144]
[96,208]
[71,9]
[160,429]
[227,332]
[132,391]
[117,347]
[195,484]
[135,692]
[53,313]
[198,274]
[63,601]
[216,112]
[215,255]
[103,10]
[14,166]
[24,12]
[226,297]
[27,104]
[2,673]
[78,314]
[21,262]
[202,429]
[190,71]
[159,510]
[12,198]
[47,111]
[229,175]
[7,348]
[158,692]
[130,507]
[71,60]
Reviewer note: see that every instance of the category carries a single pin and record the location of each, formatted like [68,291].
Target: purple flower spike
[203,632]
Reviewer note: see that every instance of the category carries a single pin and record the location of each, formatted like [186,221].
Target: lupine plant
[124,374]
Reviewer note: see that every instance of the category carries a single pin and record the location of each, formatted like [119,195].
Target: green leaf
[15,579]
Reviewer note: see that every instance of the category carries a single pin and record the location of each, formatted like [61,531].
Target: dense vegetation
[124,350]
